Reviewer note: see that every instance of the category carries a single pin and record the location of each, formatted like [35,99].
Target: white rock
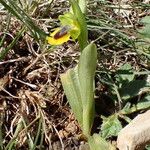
[136,135]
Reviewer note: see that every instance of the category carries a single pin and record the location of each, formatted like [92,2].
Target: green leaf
[147,147]
[83,4]
[143,47]
[141,105]
[83,37]
[71,87]
[145,20]
[96,142]
[110,126]
[144,103]
[145,32]
[125,74]
[133,89]
[86,70]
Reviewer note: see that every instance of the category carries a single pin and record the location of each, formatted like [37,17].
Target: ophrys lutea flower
[69,30]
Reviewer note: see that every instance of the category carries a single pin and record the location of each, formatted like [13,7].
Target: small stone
[136,135]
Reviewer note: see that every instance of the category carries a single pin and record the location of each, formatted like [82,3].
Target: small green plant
[145,32]
[143,44]
[78,84]
[148,147]
[129,88]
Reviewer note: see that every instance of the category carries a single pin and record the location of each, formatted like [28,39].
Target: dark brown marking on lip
[63,31]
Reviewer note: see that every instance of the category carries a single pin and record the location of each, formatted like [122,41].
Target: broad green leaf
[141,105]
[86,71]
[83,37]
[1,7]
[147,147]
[133,89]
[71,87]
[96,142]
[145,32]
[125,74]
[145,20]
[110,126]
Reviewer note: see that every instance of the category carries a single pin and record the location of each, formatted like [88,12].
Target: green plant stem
[17,131]
[28,134]
[142,73]
[118,96]
[1,136]
[114,86]
[38,133]
[83,37]
[42,137]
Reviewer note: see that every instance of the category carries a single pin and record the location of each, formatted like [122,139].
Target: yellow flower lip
[69,29]
[59,36]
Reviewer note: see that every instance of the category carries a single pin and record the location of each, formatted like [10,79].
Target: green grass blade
[17,131]
[17,14]
[42,137]
[30,141]
[38,133]
[5,51]
[86,70]
[71,87]
[34,29]
[1,129]
[13,8]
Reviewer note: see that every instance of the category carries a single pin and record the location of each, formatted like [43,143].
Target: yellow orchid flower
[70,29]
